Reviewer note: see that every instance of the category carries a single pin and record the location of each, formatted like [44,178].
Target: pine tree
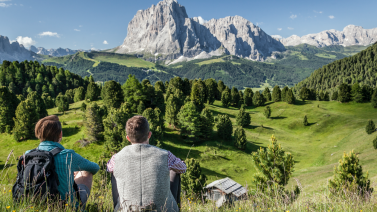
[367,93]
[83,107]
[305,122]
[267,94]
[114,125]
[290,98]
[140,108]
[92,92]
[274,166]
[25,120]
[344,93]
[51,90]
[198,96]
[62,103]
[155,125]
[258,99]
[276,94]
[374,98]
[284,93]
[48,101]
[224,127]
[93,123]
[267,112]
[240,102]
[193,181]
[375,143]
[39,105]
[112,94]
[357,93]
[248,97]
[149,93]
[225,99]
[159,86]
[235,97]
[79,94]
[370,128]
[349,177]
[334,96]
[159,101]
[220,88]
[211,87]
[189,121]
[133,92]
[172,109]
[8,105]
[240,138]
[304,93]
[207,123]
[326,96]
[69,94]
[243,118]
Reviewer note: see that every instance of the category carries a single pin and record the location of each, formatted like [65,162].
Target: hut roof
[228,186]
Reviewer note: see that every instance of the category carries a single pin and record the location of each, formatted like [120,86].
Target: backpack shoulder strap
[55,151]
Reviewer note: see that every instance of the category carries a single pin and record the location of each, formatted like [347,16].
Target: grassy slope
[334,128]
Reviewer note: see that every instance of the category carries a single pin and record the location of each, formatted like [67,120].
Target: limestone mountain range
[14,51]
[59,52]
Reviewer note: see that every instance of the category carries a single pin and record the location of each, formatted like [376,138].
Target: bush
[305,122]
[370,128]
[193,181]
[375,143]
[267,112]
[243,119]
[240,138]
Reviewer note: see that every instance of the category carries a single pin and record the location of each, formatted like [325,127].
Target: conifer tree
[149,93]
[267,112]
[79,94]
[344,93]
[240,102]
[276,94]
[172,109]
[334,96]
[198,96]
[112,94]
[48,101]
[304,93]
[83,107]
[207,123]
[375,143]
[305,122]
[243,118]
[193,181]
[258,99]
[326,96]
[274,167]
[51,90]
[8,105]
[284,93]
[155,125]
[290,98]
[186,87]
[348,176]
[140,108]
[69,94]
[225,98]
[39,105]
[357,93]
[114,125]
[370,128]
[235,97]
[211,87]
[248,97]
[220,88]
[240,138]
[25,120]
[374,98]
[189,121]
[92,92]
[62,103]
[267,94]
[159,86]
[93,122]
[133,92]
[159,101]
[224,127]
[367,93]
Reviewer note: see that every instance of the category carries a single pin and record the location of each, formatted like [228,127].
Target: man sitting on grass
[145,175]
[71,167]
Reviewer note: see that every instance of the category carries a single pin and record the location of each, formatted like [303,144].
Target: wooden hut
[224,190]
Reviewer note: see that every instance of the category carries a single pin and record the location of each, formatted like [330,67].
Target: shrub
[267,112]
[370,128]
[193,181]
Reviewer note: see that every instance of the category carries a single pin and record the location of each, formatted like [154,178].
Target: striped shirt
[66,163]
[175,164]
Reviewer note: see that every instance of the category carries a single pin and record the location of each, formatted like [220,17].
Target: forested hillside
[360,68]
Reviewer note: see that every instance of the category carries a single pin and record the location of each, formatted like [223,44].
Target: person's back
[142,171]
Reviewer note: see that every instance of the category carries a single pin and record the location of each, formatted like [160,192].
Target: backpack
[36,177]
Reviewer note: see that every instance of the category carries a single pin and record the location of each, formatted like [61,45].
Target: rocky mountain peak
[14,51]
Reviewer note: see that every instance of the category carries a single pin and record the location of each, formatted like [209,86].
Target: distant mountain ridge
[59,52]
[165,32]
[14,51]
[351,35]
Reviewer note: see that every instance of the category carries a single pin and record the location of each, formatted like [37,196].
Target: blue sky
[83,24]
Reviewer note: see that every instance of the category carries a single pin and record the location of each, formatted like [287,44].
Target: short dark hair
[48,129]
[137,129]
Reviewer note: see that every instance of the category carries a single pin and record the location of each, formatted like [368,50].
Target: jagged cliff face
[14,51]
[59,52]
[165,30]
[351,35]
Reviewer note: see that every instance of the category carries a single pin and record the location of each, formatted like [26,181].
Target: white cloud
[280,29]
[201,20]
[26,41]
[259,23]
[279,37]
[293,16]
[77,30]
[320,12]
[48,33]
[331,17]
[290,28]
[105,42]
[5,5]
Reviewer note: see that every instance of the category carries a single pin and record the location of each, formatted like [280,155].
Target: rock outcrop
[60,52]
[14,51]
[351,35]
[164,31]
